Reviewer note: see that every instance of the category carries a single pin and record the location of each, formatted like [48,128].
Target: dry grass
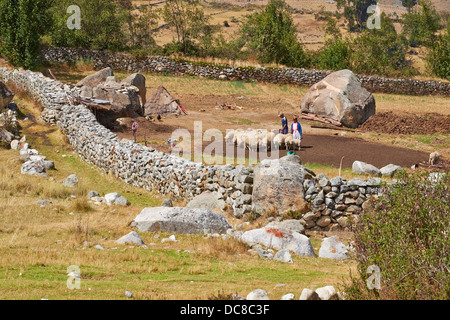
[38,244]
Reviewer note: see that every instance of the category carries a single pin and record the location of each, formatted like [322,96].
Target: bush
[407,237]
[438,59]
[21,24]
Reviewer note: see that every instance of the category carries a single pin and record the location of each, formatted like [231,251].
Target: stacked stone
[133,163]
[303,77]
[336,202]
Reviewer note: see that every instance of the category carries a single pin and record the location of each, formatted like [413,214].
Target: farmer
[296,129]
[284,124]
[134,128]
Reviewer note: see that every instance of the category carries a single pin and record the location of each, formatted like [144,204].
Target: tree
[102,24]
[271,33]
[420,25]
[380,51]
[22,22]
[355,12]
[140,24]
[438,59]
[409,4]
[189,20]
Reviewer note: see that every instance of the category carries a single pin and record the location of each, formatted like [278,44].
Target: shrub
[407,237]
[438,59]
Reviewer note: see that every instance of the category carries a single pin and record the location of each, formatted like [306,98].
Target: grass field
[38,244]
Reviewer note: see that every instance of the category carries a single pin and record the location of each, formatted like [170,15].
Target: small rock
[258,294]
[71,181]
[44,203]
[128,294]
[289,296]
[327,293]
[283,256]
[92,194]
[167,203]
[132,237]
[308,294]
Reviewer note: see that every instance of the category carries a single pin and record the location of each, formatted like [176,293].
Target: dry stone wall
[133,163]
[333,202]
[303,77]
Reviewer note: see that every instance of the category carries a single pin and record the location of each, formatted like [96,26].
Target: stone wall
[333,202]
[302,77]
[133,163]
[336,203]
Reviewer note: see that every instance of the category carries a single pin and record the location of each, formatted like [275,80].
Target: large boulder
[6,95]
[340,96]
[280,239]
[278,186]
[97,78]
[181,220]
[207,200]
[137,80]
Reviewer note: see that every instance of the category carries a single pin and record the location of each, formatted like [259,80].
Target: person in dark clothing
[284,125]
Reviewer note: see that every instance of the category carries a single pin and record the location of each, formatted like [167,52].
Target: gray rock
[97,78]
[390,170]
[308,294]
[6,136]
[181,220]
[92,194]
[262,253]
[71,181]
[112,197]
[289,296]
[137,80]
[360,167]
[283,256]
[128,294]
[207,200]
[327,293]
[167,203]
[121,201]
[278,186]
[33,168]
[333,248]
[99,247]
[337,181]
[43,203]
[289,224]
[340,96]
[132,237]
[280,239]
[15,145]
[258,294]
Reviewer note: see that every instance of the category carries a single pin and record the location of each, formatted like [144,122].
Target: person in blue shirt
[296,129]
[284,124]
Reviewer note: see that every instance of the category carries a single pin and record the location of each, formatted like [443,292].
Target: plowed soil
[390,123]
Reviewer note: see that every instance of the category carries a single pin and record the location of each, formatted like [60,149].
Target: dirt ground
[319,146]
[388,122]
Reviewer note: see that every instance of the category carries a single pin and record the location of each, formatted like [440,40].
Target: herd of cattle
[262,140]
